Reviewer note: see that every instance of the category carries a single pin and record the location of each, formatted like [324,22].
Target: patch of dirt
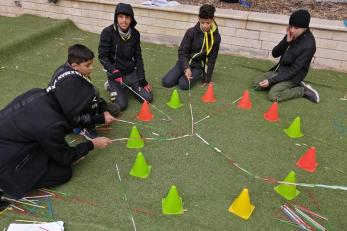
[325,10]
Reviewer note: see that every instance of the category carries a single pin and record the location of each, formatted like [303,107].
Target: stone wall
[243,33]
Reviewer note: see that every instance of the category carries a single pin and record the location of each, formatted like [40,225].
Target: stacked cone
[172,204]
[140,168]
[175,101]
[135,140]
[288,191]
[308,160]
[242,206]
[272,113]
[209,97]
[145,113]
[245,102]
[294,130]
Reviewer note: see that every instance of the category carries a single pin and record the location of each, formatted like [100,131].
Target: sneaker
[106,85]
[113,96]
[89,135]
[310,93]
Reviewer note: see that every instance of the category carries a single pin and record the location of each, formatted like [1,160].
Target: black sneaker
[310,93]
[89,134]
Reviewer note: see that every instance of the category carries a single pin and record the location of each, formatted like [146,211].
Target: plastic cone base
[168,211]
[288,197]
[144,176]
[308,161]
[246,216]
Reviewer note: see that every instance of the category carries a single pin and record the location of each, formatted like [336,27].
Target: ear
[74,66]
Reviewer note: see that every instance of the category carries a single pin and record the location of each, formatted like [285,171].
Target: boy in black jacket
[80,59]
[285,80]
[120,54]
[34,153]
[197,53]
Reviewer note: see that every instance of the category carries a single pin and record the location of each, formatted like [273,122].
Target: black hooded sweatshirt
[92,114]
[192,53]
[116,53]
[33,128]
[295,58]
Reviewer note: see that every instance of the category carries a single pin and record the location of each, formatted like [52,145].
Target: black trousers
[176,76]
[55,175]
[122,91]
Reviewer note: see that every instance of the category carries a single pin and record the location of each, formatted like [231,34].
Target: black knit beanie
[300,18]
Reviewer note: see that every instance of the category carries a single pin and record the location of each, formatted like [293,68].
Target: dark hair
[207,11]
[79,53]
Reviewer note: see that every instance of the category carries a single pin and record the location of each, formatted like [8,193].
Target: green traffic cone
[294,129]
[286,190]
[135,140]
[172,204]
[175,101]
[140,168]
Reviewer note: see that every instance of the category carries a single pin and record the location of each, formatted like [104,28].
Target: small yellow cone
[140,168]
[242,206]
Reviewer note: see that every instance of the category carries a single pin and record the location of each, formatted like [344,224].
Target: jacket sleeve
[54,144]
[212,60]
[185,49]
[279,50]
[105,50]
[302,60]
[140,70]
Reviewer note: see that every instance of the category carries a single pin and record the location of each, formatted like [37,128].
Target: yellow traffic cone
[242,206]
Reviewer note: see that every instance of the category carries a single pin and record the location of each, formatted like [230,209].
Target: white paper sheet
[52,226]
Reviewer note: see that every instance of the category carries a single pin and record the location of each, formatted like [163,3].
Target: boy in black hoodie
[34,153]
[197,53]
[285,80]
[120,54]
[80,59]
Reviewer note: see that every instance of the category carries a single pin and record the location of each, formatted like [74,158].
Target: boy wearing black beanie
[285,80]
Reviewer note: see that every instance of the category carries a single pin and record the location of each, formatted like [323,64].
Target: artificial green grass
[206,181]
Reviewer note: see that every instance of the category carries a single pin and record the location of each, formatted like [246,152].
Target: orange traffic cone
[145,113]
[272,114]
[245,102]
[308,160]
[209,97]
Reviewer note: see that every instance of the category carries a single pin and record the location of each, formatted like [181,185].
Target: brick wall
[243,33]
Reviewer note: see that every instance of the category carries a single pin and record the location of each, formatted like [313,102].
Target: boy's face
[206,24]
[296,31]
[84,68]
[123,21]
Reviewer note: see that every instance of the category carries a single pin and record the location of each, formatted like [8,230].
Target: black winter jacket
[33,128]
[92,114]
[191,53]
[115,53]
[295,58]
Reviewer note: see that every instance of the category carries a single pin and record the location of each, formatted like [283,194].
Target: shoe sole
[312,89]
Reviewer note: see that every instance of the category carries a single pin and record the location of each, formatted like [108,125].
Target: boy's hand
[108,118]
[264,83]
[148,88]
[289,36]
[117,75]
[188,73]
[101,142]
[119,80]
